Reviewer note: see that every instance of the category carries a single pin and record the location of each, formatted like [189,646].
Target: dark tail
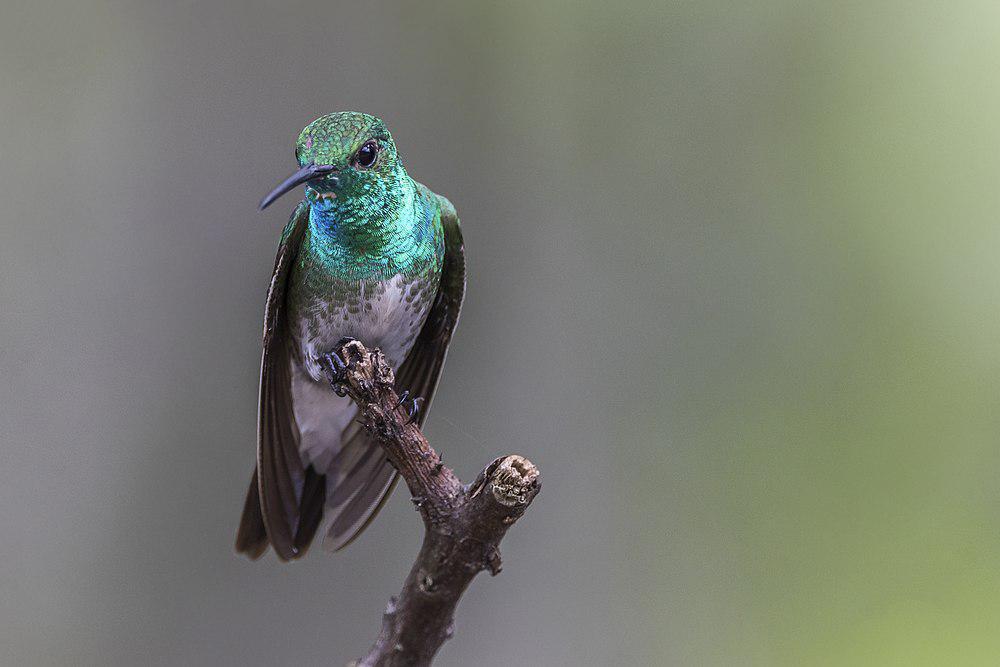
[251,538]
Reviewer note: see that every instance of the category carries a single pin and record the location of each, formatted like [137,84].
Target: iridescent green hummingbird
[368,254]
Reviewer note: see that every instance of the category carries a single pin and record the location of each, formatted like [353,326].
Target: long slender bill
[304,175]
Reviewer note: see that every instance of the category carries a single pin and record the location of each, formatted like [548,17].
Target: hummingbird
[369,254]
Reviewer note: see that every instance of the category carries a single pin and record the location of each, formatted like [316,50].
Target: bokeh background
[734,287]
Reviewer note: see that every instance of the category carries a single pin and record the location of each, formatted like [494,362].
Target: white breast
[389,316]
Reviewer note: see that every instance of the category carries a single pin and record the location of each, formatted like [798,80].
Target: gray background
[733,287]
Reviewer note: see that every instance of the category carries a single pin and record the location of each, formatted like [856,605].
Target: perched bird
[368,254]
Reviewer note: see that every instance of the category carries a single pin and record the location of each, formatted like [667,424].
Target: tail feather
[351,519]
[310,509]
[251,538]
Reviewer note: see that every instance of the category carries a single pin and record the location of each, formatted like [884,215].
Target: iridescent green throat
[397,231]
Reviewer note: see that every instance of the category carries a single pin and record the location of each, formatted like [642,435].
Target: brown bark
[463,524]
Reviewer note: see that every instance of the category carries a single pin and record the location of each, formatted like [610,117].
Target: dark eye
[366,155]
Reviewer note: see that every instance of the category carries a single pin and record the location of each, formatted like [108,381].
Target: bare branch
[463,525]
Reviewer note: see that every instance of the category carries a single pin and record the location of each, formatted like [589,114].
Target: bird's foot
[335,367]
[413,411]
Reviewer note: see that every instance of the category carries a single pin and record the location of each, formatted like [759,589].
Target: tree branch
[463,524]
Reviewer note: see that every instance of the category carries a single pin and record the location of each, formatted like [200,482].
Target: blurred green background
[733,287]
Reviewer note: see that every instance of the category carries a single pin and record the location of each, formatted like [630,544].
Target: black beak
[310,172]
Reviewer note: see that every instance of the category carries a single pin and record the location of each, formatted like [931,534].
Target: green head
[348,162]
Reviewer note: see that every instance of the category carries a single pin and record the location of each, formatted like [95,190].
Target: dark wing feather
[422,369]
[290,498]
[251,539]
[310,509]
[368,488]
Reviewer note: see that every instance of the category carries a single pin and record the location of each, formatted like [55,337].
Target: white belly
[389,316]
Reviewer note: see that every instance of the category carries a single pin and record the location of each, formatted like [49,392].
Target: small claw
[336,364]
[414,410]
[402,398]
[337,373]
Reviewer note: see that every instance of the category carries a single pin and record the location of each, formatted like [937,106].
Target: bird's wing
[285,500]
[419,375]
[420,372]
